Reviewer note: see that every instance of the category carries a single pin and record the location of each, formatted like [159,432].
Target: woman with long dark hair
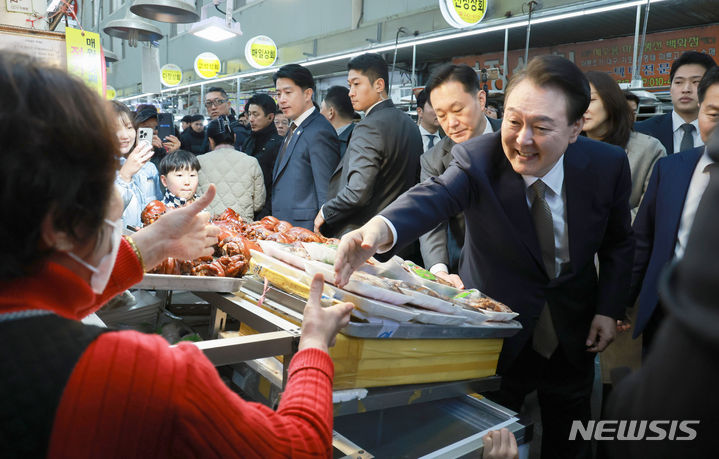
[609,119]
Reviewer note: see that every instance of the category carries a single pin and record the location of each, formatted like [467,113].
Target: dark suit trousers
[563,391]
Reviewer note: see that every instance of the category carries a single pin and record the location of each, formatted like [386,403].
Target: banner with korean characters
[84,58]
[614,55]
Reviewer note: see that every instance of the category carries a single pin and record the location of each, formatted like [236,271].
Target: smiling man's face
[535,128]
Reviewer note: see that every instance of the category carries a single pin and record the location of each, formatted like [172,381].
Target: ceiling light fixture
[214,28]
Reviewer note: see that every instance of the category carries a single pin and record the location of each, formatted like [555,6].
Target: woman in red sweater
[68,390]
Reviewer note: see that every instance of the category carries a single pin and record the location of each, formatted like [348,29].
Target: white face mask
[101,273]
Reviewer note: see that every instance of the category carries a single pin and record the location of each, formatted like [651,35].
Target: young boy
[178,174]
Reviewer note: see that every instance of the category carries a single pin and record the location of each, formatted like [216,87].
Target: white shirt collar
[554,179]
[423,132]
[487,127]
[300,119]
[342,129]
[373,106]
[704,161]
[677,122]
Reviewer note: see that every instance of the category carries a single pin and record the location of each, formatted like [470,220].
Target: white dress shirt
[426,135]
[303,116]
[697,186]
[556,198]
[677,123]
[373,106]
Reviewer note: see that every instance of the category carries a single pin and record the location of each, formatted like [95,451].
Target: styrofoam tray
[355,286]
[473,316]
[438,318]
[430,302]
[275,250]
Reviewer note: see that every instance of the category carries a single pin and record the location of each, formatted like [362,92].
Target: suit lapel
[291,146]
[667,131]
[680,180]
[511,193]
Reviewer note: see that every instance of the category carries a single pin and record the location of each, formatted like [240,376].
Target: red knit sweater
[132,395]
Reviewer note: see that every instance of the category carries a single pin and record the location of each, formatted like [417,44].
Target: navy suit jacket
[501,255]
[659,126]
[656,227]
[301,176]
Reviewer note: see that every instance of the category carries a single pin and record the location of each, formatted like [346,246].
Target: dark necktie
[688,138]
[544,340]
[293,126]
[430,144]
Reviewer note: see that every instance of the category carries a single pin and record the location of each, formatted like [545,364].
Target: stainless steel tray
[192,283]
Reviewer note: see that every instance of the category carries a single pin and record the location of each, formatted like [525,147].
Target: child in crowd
[179,176]
[137,180]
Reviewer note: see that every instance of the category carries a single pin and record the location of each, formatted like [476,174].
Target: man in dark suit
[459,104]
[678,129]
[337,108]
[309,153]
[539,204]
[427,122]
[667,212]
[264,142]
[683,360]
[382,159]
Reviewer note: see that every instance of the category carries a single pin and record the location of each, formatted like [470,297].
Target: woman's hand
[319,324]
[185,233]
[137,158]
[171,144]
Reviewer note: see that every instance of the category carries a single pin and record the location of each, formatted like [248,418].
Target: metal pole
[414,83]
[237,98]
[644,37]
[506,68]
[529,29]
[202,96]
[635,66]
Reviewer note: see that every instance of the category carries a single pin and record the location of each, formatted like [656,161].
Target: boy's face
[181,182]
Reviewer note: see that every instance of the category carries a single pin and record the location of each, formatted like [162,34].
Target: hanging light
[174,11]
[109,56]
[214,28]
[133,29]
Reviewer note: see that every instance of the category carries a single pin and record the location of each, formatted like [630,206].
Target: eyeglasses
[215,102]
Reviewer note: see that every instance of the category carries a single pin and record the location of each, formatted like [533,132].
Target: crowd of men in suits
[525,208]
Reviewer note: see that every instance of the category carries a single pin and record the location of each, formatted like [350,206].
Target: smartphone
[165,125]
[145,135]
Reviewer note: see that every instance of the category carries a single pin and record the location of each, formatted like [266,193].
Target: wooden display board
[48,47]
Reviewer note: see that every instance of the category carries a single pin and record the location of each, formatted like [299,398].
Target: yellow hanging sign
[171,75]
[261,52]
[83,57]
[110,93]
[207,65]
[463,13]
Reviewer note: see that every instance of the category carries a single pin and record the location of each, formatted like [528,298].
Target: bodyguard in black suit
[337,108]
[539,204]
[382,159]
[678,129]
